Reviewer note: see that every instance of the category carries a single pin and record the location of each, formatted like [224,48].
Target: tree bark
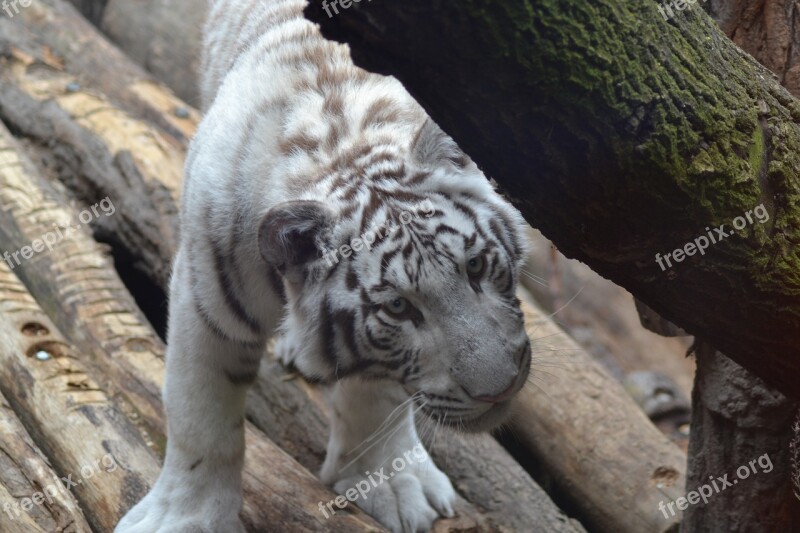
[740,429]
[97,149]
[620,136]
[69,416]
[24,472]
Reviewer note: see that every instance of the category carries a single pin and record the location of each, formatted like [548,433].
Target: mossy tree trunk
[620,135]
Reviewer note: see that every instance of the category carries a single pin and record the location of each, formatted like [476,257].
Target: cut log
[89,303]
[601,317]
[159,34]
[620,136]
[56,28]
[24,472]
[87,439]
[101,151]
[599,449]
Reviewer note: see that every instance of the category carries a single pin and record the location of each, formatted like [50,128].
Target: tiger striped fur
[300,153]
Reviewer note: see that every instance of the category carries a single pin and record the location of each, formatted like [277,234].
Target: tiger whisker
[535,278]
[385,441]
[387,422]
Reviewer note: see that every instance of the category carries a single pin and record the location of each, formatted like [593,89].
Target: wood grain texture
[594,443]
[24,472]
[67,413]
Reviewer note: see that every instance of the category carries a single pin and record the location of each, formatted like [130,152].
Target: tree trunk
[620,136]
[740,429]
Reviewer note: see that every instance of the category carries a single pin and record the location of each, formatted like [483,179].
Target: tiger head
[411,279]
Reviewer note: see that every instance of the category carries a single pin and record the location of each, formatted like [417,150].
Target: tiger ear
[293,234]
[432,147]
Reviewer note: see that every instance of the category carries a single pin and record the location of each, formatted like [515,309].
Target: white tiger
[299,154]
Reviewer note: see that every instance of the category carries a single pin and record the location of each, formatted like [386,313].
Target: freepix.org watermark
[107,463]
[389,227]
[666,8]
[336,4]
[701,243]
[417,454]
[59,233]
[9,5]
[704,492]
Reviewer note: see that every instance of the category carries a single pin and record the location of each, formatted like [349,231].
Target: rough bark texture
[619,136]
[99,150]
[737,419]
[24,471]
[67,413]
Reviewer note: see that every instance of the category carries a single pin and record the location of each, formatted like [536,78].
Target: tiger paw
[187,502]
[405,496]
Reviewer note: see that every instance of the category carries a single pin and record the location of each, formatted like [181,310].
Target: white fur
[237,172]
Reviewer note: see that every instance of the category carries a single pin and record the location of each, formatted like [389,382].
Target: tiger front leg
[207,377]
[376,460]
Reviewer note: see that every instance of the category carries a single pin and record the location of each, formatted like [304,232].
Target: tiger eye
[475,266]
[397,307]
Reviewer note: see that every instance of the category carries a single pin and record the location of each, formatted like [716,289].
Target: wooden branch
[620,136]
[89,303]
[65,410]
[24,472]
[600,450]
[603,314]
[99,150]
[56,28]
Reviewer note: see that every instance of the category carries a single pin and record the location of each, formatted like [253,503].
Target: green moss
[756,155]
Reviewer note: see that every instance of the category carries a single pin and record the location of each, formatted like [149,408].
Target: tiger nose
[506,394]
